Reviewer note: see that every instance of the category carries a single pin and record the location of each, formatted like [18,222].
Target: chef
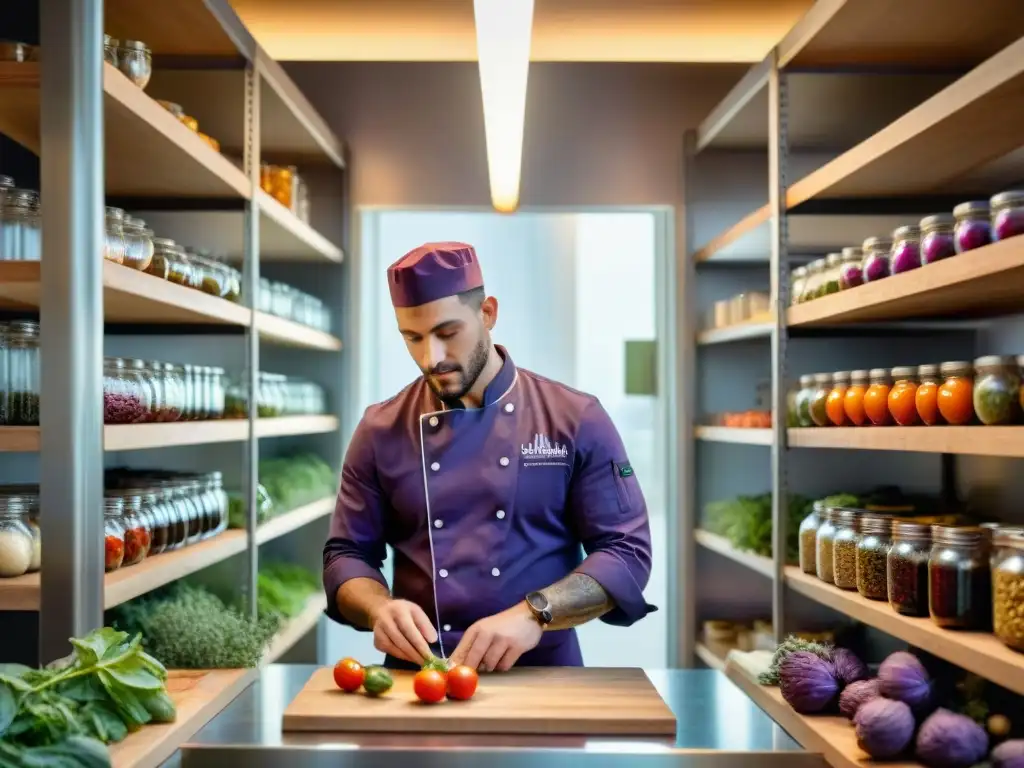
[487,480]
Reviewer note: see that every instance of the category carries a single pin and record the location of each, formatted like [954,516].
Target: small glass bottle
[906,249]
[110,46]
[996,389]
[824,545]
[907,567]
[113,530]
[853,400]
[851,273]
[22,343]
[926,399]
[872,551]
[973,227]
[114,246]
[835,404]
[959,579]
[822,388]
[1008,587]
[138,240]
[876,399]
[808,542]
[844,548]
[956,392]
[937,240]
[1007,214]
[902,397]
[16,538]
[876,258]
[138,536]
[135,62]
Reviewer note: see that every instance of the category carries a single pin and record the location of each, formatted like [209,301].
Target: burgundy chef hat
[433,271]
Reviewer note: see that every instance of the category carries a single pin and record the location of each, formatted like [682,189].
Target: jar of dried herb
[823,545]
[1008,587]
[959,579]
[907,567]
[996,389]
[819,400]
[808,541]
[803,401]
[844,548]
[872,552]
[22,374]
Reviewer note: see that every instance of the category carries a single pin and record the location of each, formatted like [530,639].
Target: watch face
[537,601]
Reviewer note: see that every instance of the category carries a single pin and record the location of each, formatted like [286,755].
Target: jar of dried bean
[1008,588]
[835,404]
[996,389]
[844,548]
[959,579]
[113,530]
[876,399]
[956,392]
[902,396]
[138,536]
[822,388]
[907,567]
[808,540]
[853,401]
[872,553]
[926,399]
[824,545]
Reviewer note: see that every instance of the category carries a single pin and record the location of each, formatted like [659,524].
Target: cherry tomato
[349,675]
[429,686]
[462,682]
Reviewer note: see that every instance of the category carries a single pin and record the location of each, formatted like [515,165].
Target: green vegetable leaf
[97,644]
[8,707]
[104,722]
[74,752]
[134,673]
[83,690]
[159,705]
[128,705]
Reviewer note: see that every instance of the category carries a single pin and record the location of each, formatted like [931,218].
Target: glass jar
[834,405]
[872,552]
[113,530]
[193,272]
[1008,588]
[265,297]
[234,292]
[876,399]
[876,258]
[179,270]
[269,396]
[956,392]
[188,411]
[996,389]
[28,495]
[281,181]
[135,62]
[833,263]
[937,241]
[853,400]
[215,487]
[236,401]
[174,392]
[902,398]
[813,288]
[151,392]
[803,401]
[1007,214]
[973,227]
[822,388]
[808,541]
[192,514]
[844,548]
[201,386]
[959,579]
[205,502]
[16,540]
[797,281]
[114,244]
[159,523]
[138,240]
[110,46]
[282,297]
[22,343]
[20,232]
[124,396]
[212,278]
[823,545]
[164,254]
[177,514]
[906,249]
[907,567]
[792,417]
[5,362]
[217,393]
[926,399]
[850,271]
[138,536]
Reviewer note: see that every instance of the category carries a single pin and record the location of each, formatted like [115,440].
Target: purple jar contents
[1007,214]
[876,258]
[850,273]
[973,228]
[937,238]
[122,409]
[906,249]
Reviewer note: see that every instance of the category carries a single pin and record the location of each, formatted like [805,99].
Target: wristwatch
[540,606]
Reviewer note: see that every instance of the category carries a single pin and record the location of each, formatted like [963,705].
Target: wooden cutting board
[548,700]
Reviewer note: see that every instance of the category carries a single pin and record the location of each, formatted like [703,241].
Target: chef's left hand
[497,642]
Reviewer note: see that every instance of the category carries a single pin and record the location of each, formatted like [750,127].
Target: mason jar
[22,343]
[844,548]
[16,538]
[872,555]
[113,531]
[809,539]
[138,535]
[959,578]
[114,245]
[824,548]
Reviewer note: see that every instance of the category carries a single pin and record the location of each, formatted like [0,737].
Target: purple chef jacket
[485,505]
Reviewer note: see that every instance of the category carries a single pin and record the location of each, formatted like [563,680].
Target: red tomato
[462,682]
[429,686]
[349,675]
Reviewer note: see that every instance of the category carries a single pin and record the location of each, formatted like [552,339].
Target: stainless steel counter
[718,727]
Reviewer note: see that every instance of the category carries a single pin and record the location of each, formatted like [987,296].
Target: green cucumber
[378,680]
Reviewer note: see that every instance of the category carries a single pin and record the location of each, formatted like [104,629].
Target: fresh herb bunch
[283,588]
[191,628]
[62,716]
[792,644]
[285,484]
[746,522]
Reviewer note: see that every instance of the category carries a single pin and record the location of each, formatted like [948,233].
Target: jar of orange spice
[853,402]
[927,397]
[956,392]
[902,396]
[876,399]
[834,404]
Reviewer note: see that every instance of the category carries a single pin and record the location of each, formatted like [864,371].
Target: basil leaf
[133,673]
[160,705]
[97,644]
[128,705]
[74,752]
[83,690]
[104,722]
[8,707]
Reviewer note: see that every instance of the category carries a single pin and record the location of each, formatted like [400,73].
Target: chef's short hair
[474,297]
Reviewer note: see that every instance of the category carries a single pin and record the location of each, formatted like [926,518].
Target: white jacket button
[443,573]
[438,523]
[495,572]
[500,514]
[503,461]
[509,407]
[435,466]
[433,421]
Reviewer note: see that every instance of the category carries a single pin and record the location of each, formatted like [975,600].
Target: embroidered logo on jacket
[543,451]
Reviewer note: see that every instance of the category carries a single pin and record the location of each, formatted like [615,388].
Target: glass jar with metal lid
[174,392]
[996,389]
[853,400]
[815,280]
[110,46]
[20,235]
[956,392]
[135,62]
[906,249]
[844,548]
[850,271]
[830,280]
[28,495]
[797,280]
[188,411]
[138,535]
[973,227]
[876,258]
[176,514]
[937,241]
[217,392]
[803,400]
[872,552]
[902,397]
[819,400]
[959,578]
[138,252]
[114,245]
[213,277]
[169,261]
[149,388]
[1008,587]
[1007,214]
[156,516]
[824,545]
[17,543]
[807,545]
[926,398]
[6,184]
[125,398]
[907,567]
[185,492]
[835,407]
[113,530]
[876,399]
[214,482]
[22,385]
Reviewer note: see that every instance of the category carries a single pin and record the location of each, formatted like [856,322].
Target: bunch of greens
[285,484]
[283,589]
[746,522]
[191,628]
[62,716]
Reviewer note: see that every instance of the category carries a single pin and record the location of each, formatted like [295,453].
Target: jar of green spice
[808,541]
[872,551]
[823,545]
[817,407]
[833,263]
[996,389]
[844,548]
[803,401]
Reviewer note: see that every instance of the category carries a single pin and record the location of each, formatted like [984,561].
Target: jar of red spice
[907,567]
[125,400]
[876,399]
[927,396]
[973,227]
[159,524]
[956,392]
[113,530]
[959,579]
[835,403]
[138,537]
[853,400]
[902,396]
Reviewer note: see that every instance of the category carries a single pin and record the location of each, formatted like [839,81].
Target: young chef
[487,480]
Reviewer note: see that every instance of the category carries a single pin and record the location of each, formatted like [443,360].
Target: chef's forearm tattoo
[575,600]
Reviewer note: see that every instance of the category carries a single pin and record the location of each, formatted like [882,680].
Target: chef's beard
[467,376]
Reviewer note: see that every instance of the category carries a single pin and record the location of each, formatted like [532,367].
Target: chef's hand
[402,629]
[497,642]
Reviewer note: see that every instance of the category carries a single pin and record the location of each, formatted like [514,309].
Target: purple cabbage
[855,695]
[885,727]
[903,678]
[949,740]
[847,667]
[1009,754]
[807,682]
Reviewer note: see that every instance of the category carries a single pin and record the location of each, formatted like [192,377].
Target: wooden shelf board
[296,629]
[709,656]
[129,296]
[972,122]
[296,425]
[755,328]
[832,736]
[291,334]
[978,652]
[984,281]
[965,441]
[198,695]
[747,436]
[722,546]
[290,521]
[747,224]
[281,224]
[148,151]
[192,30]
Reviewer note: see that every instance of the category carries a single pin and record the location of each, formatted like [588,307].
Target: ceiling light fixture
[503,32]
